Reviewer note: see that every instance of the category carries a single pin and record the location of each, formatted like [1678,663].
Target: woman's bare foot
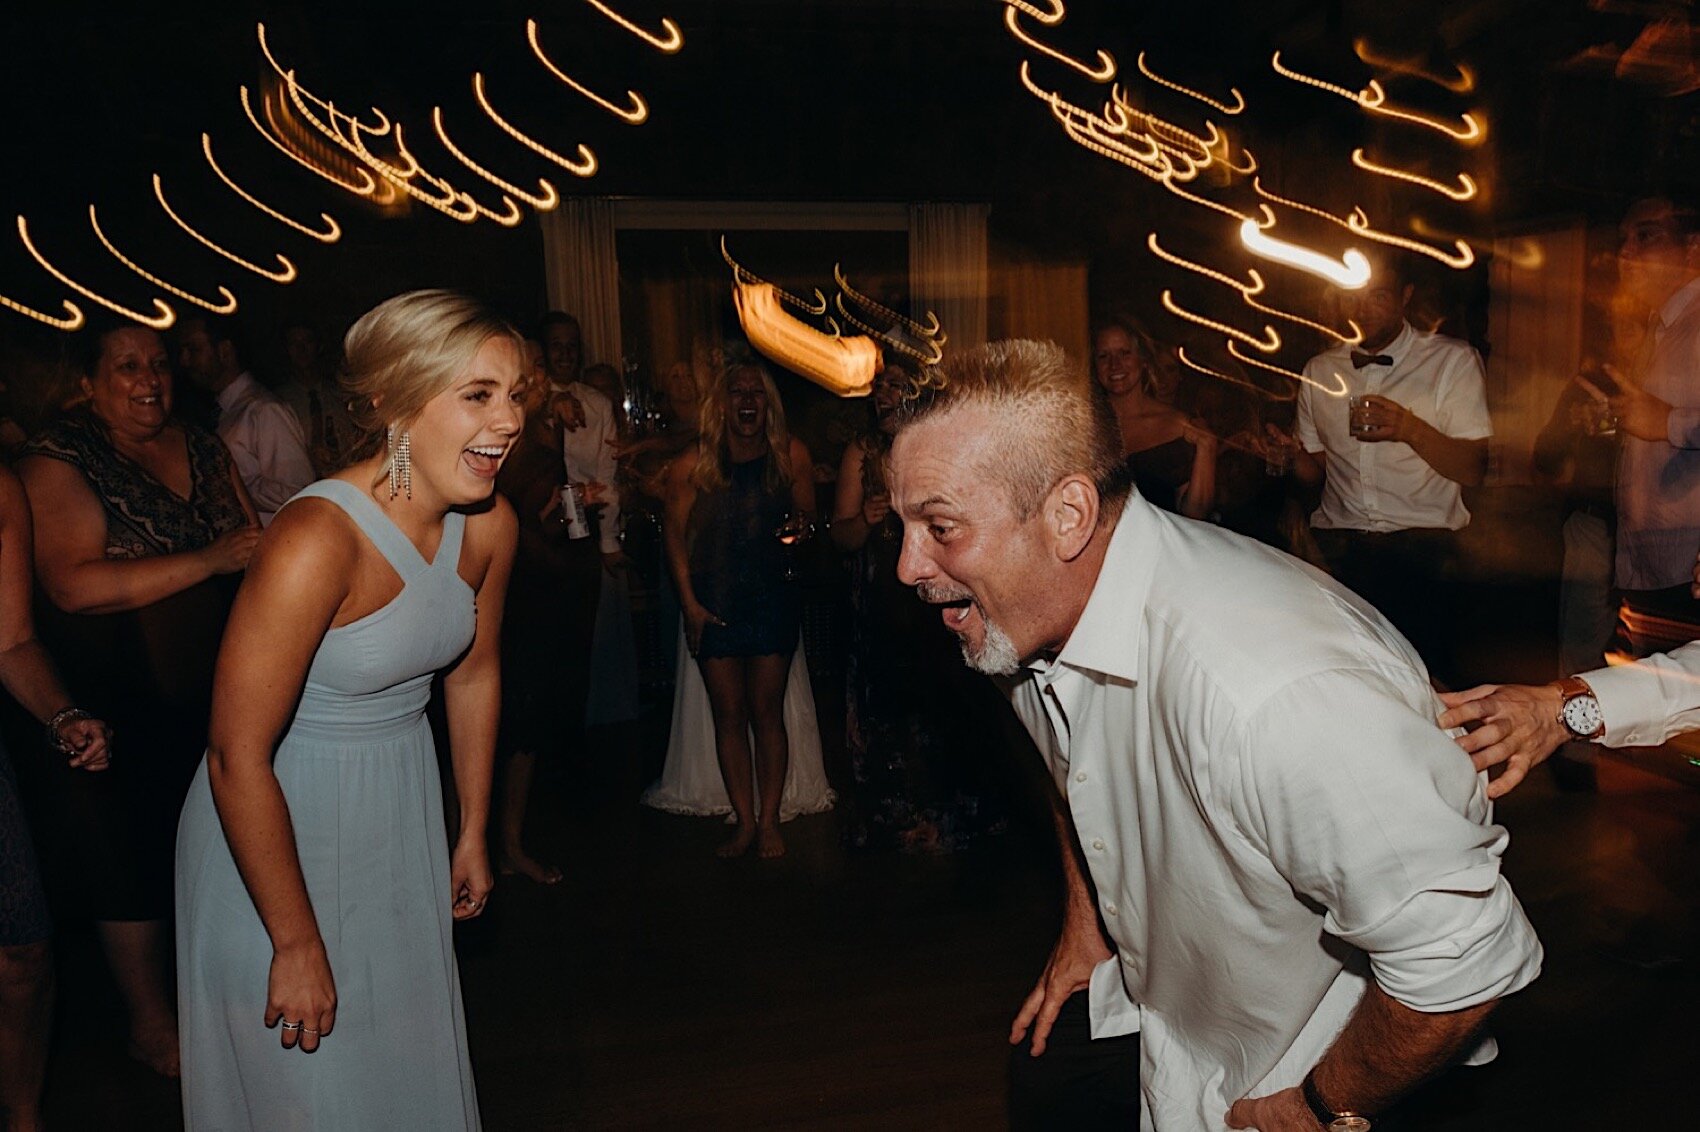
[156,1048]
[739,844]
[525,865]
[768,842]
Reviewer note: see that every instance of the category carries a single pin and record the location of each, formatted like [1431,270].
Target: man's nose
[913,564]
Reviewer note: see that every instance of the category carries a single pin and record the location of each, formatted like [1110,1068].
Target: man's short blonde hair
[1051,419]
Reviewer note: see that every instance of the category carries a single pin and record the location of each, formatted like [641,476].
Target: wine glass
[794,529]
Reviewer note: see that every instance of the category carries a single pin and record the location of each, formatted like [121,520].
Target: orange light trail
[584,167]
[160,321]
[226,306]
[670,40]
[1466,189]
[639,108]
[286,275]
[366,190]
[1102,73]
[1215,104]
[333,231]
[1269,343]
[73,320]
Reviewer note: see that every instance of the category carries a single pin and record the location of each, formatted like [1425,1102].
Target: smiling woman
[312,859]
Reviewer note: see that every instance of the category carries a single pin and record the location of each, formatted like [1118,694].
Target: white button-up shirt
[1385,486]
[1269,814]
[1648,701]
[265,441]
[588,453]
[1658,483]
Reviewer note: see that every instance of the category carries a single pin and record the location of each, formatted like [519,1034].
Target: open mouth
[747,416]
[955,606]
[150,399]
[485,459]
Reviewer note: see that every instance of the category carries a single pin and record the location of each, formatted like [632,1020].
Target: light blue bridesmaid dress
[359,770]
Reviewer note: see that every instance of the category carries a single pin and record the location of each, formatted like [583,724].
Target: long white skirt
[691,783]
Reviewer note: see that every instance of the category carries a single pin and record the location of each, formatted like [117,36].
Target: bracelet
[61,718]
[1344,1120]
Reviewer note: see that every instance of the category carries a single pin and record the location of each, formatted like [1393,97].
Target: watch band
[1569,688]
[1325,1114]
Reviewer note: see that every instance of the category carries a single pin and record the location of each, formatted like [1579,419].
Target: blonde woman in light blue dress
[316,885]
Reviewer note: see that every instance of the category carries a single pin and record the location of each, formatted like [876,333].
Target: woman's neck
[743,449]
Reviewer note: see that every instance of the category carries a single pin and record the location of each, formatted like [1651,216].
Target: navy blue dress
[738,566]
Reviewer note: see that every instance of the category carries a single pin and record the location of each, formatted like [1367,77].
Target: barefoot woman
[315,885]
[726,501]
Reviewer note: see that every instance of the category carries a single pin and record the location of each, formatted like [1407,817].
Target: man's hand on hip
[1079,950]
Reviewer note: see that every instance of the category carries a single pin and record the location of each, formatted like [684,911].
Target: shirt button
[1080,776]
[1098,844]
[1110,910]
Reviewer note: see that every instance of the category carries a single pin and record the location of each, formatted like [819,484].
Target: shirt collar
[1677,305]
[1106,638]
[1401,344]
[235,391]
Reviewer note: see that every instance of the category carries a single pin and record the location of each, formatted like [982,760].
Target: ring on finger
[292,1025]
[309,1030]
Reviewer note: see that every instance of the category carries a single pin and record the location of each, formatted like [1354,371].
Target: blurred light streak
[844,366]
[367,189]
[507,218]
[1103,72]
[742,274]
[1268,344]
[930,330]
[331,236]
[288,76]
[584,167]
[1049,18]
[1197,367]
[1288,73]
[1374,99]
[636,115]
[1359,223]
[1466,189]
[543,202]
[1464,83]
[1218,145]
[226,306]
[1248,291]
[935,348]
[1350,271]
[1338,389]
[1524,252]
[1239,99]
[674,38]
[286,275]
[161,321]
[73,320]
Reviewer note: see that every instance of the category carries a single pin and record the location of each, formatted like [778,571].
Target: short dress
[738,566]
[23,906]
[358,768]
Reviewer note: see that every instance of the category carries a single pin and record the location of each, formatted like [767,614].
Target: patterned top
[144,518]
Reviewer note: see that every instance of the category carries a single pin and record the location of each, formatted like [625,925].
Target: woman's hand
[229,553]
[875,508]
[88,743]
[696,620]
[301,995]
[470,878]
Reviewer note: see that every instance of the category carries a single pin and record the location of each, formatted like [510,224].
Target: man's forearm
[1461,461]
[1387,1049]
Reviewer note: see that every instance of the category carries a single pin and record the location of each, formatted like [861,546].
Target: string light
[159,321]
[1466,189]
[543,202]
[1463,83]
[931,330]
[1350,271]
[1248,291]
[1269,343]
[508,218]
[742,274]
[636,115]
[227,305]
[1215,104]
[933,355]
[669,41]
[288,76]
[584,167]
[367,189]
[1197,367]
[333,231]
[286,275]
[1288,73]
[1358,223]
[1103,72]
[1050,18]
[73,319]
[1373,98]
[1339,389]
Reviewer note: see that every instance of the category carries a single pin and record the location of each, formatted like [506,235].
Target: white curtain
[583,274]
[947,268]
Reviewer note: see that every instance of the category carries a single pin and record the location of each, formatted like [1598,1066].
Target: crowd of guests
[447,474]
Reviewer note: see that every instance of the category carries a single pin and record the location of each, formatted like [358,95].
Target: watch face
[1582,715]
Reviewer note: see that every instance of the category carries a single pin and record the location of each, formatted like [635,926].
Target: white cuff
[1112,1011]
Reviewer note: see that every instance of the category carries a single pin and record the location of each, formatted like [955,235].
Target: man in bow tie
[1392,428]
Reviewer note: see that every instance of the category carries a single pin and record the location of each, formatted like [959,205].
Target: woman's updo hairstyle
[408,349]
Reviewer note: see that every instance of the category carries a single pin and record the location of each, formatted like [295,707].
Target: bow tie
[1360,360]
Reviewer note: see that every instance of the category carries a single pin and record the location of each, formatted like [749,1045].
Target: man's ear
[1071,512]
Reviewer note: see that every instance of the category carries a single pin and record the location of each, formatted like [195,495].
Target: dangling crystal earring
[401,462]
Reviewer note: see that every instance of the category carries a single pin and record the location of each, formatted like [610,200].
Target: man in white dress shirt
[1391,469]
[262,433]
[1296,870]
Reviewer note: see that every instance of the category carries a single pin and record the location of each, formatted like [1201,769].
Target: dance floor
[659,987]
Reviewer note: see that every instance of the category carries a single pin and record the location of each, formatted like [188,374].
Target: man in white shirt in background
[262,433]
[1392,428]
[1296,869]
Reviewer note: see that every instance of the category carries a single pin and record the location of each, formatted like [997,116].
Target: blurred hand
[1638,412]
[596,493]
[229,553]
[1079,950]
[1198,434]
[696,619]
[551,505]
[89,741]
[875,508]
[470,878]
[1383,420]
[1285,1111]
[1518,726]
[569,411]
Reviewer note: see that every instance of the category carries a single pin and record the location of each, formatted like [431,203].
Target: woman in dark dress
[141,525]
[79,744]
[1171,457]
[729,500]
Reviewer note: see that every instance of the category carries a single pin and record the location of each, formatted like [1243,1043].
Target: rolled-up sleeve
[1646,702]
[1368,809]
